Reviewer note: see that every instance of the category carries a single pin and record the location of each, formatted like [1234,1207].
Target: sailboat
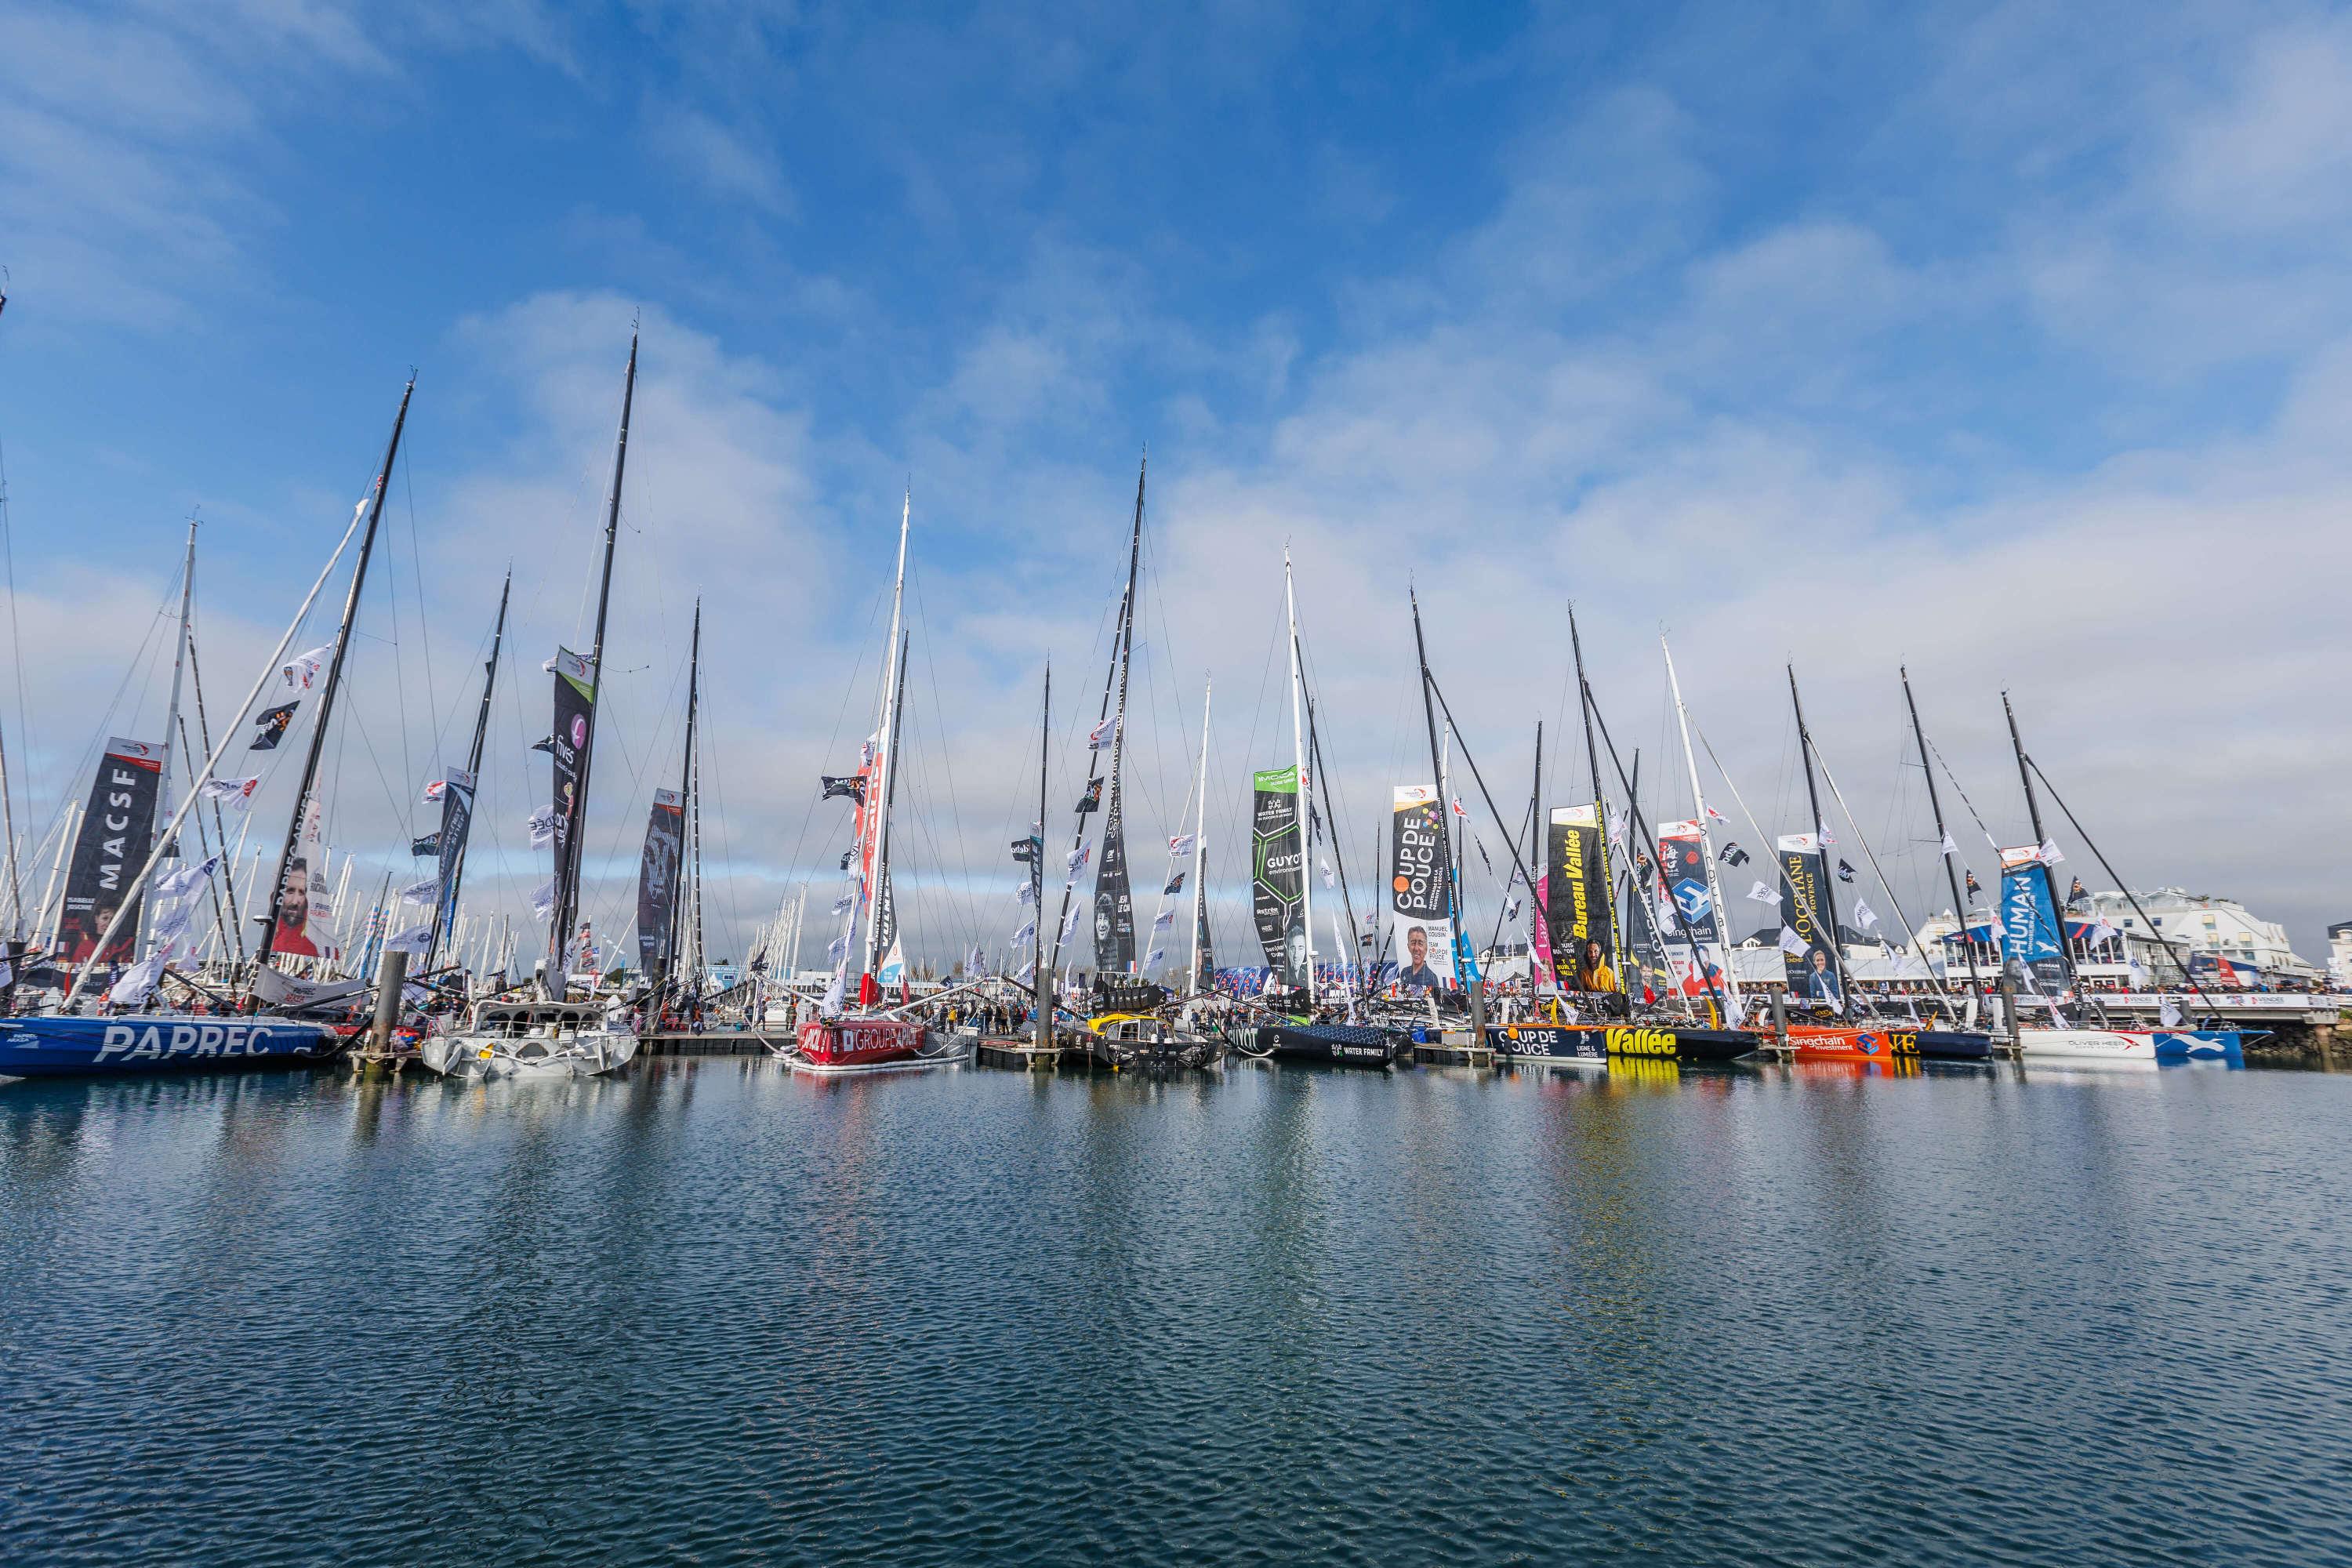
[131,777]
[553,1036]
[865,1036]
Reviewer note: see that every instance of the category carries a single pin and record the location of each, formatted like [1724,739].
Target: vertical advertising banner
[2029,922]
[1682,871]
[306,919]
[457,819]
[1114,905]
[658,878]
[1278,879]
[117,834]
[1576,887]
[1812,975]
[576,718]
[1420,917]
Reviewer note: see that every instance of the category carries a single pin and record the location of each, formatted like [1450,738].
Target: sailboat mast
[892,678]
[474,766]
[1299,761]
[1201,843]
[1821,837]
[1599,796]
[1114,812]
[1444,804]
[560,935]
[685,794]
[1943,838]
[1706,841]
[1041,982]
[179,666]
[335,676]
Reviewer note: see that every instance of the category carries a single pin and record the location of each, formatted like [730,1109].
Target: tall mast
[1201,844]
[1821,838]
[559,937]
[1943,838]
[474,766]
[1705,843]
[179,664]
[1539,852]
[334,675]
[685,780]
[2033,814]
[1438,766]
[1599,796]
[1041,985]
[893,678]
[1299,761]
[1113,814]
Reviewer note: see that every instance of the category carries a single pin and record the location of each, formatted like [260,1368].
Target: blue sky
[2009,341]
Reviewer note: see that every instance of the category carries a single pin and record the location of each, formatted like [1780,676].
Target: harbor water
[712,1313]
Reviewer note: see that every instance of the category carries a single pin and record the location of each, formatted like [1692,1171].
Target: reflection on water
[1900,1311]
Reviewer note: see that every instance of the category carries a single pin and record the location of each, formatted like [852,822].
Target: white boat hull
[488,1057]
[2130,1046]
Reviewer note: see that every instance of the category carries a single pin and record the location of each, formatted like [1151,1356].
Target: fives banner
[1277,881]
[117,832]
[1812,973]
[1114,903]
[1421,919]
[576,719]
[1575,888]
[658,878]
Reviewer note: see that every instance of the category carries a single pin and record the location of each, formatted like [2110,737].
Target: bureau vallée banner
[118,831]
[658,878]
[1277,880]
[1421,915]
[1574,891]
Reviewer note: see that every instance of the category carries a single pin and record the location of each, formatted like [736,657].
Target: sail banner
[658,878]
[1682,871]
[305,926]
[575,719]
[1278,883]
[2029,921]
[1810,962]
[449,844]
[1114,903]
[1575,888]
[118,831]
[1420,917]
[1207,962]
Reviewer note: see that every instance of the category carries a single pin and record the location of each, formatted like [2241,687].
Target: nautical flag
[1026,893]
[1102,735]
[420,892]
[542,900]
[1164,919]
[1024,972]
[1070,920]
[2049,853]
[1457,807]
[2168,1013]
[843,904]
[849,787]
[1330,881]
[185,881]
[1153,957]
[1793,944]
[1827,837]
[273,722]
[1175,886]
[1864,914]
[1511,910]
[2138,973]
[542,826]
[1950,848]
[2075,892]
[838,948]
[845,857]
[1025,850]
[435,791]
[1028,931]
[1179,845]
[1075,860]
[8,972]
[977,964]
[413,940]
[137,980]
[1764,893]
[1974,886]
[1617,824]
[1092,799]
[1715,816]
[1732,854]
[238,792]
[303,672]
[1846,872]
[1480,845]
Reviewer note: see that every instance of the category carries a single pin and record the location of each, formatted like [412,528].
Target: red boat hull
[845,1043]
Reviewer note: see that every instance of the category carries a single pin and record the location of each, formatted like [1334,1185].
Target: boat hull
[1671,1042]
[159,1043]
[1566,1045]
[2131,1045]
[479,1057]
[1868,1042]
[840,1047]
[1334,1044]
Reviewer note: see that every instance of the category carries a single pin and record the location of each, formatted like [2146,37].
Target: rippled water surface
[713,1314]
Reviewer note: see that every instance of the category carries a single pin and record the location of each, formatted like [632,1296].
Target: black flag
[1026,851]
[1846,872]
[1092,799]
[273,722]
[1175,886]
[1731,854]
[2075,894]
[544,744]
[1974,887]
[852,788]
[845,857]
[428,844]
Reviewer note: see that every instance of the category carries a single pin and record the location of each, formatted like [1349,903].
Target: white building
[2203,927]
[2339,955]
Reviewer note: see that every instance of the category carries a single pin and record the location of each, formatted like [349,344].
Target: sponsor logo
[1624,1041]
[160,1042]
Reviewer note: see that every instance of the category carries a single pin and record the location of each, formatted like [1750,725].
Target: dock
[1021,1052]
[709,1043]
[1454,1049]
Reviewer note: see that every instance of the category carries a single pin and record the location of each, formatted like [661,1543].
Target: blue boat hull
[157,1043]
[2200,1045]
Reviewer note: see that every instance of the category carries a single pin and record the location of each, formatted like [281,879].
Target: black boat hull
[1549,1042]
[1333,1045]
[1671,1042]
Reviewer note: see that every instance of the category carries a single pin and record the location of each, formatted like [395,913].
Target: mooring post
[390,980]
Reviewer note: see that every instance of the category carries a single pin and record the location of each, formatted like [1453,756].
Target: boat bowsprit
[68,1046]
[835,1048]
[531,1040]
